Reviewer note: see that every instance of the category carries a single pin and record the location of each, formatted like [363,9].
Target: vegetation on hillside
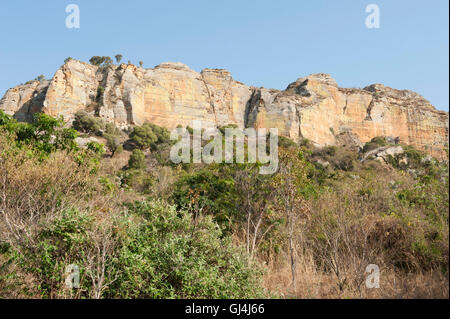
[139,226]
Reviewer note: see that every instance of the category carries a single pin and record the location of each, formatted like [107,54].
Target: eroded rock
[171,94]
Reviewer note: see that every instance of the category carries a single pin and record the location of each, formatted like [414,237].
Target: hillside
[108,203]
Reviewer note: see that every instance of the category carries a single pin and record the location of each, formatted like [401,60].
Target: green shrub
[137,160]
[7,122]
[112,142]
[214,194]
[101,60]
[137,179]
[149,136]
[86,123]
[286,142]
[59,243]
[96,148]
[167,254]
[376,142]
[44,135]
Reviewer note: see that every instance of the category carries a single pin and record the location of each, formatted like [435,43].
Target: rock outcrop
[383,153]
[171,94]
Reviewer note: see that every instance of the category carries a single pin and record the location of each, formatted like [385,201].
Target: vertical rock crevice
[211,102]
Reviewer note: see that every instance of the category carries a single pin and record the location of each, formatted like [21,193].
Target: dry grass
[315,284]
[362,222]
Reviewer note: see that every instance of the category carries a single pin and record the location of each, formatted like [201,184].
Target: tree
[290,179]
[86,123]
[137,160]
[101,60]
[149,135]
[67,59]
[141,64]
[112,142]
[40,78]
[257,195]
[118,57]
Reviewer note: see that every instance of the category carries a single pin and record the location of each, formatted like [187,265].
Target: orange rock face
[171,94]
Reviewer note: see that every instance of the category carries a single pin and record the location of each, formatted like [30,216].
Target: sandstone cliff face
[24,100]
[171,94]
[316,108]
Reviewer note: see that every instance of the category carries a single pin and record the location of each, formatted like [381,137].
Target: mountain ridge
[171,94]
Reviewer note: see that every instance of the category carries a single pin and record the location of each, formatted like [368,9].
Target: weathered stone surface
[171,94]
[384,153]
[73,88]
[83,141]
[349,140]
[24,100]
[316,108]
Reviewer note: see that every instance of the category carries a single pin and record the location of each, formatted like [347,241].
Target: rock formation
[171,94]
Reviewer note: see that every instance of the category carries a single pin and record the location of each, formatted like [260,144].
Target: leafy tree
[96,148]
[137,160]
[255,204]
[101,60]
[143,136]
[45,134]
[40,78]
[112,142]
[67,59]
[141,64]
[210,191]
[110,128]
[86,123]
[118,57]
[149,135]
[7,122]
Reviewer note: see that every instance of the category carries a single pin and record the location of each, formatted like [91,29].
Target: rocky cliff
[313,107]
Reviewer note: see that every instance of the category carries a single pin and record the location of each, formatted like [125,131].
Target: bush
[214,194]
[101,60]
[285,142]
[171,254]
[340,158]
[137,160]
[7,122]
[45,135]
[86,123]
[149,136]
[137,179]
[97,148]
[113,143]
[344,160]
[149,251]
[376,142]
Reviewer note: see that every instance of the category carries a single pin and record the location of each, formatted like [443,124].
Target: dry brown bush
[357,222]
[32,192]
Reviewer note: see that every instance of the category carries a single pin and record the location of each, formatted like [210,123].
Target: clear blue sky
[263,43]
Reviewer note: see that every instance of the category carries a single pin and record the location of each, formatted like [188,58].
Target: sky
[262,43]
